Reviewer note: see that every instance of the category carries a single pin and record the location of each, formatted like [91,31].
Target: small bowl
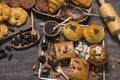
[48,27]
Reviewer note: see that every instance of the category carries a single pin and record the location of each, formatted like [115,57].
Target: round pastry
[98,55]
[73,31]
[55,5]
[4,12]
[14,3]
[27,4]
[94,33]
[3,30]
[18,16]
[83,3]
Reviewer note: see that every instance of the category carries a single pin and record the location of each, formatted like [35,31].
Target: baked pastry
[73,31]
[28,4]
[18,16]
[64,50]
[78,69]
[42,5]
[98,55]
[3,30]
[14,3]
[55,5]
[94,33]
[83,3]
[4,12]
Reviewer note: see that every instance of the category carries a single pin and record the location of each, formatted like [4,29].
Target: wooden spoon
[31,32]
[59,69]
[54,28]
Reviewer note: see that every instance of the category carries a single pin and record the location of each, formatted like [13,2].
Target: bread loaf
[54,5]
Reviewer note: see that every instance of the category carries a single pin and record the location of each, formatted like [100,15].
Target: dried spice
[3,55]
[2,51]
[10,56]
[8,48]
[49,27]
[42,59]
[44,46]
[24,39]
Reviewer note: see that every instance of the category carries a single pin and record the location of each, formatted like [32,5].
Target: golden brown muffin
[55,5]
[98,55]
[94,33]
[83,3]
[73,31]
[78,69]
[4,12]
[64,50]
[18,16]
[3,30]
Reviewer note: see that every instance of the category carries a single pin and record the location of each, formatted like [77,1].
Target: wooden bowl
[48,27]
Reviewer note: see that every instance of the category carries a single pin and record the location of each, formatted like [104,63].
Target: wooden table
[20,67]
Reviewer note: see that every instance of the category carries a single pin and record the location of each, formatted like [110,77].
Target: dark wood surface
[20,67]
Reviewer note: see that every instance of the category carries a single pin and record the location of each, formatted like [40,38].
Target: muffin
[98,55]
[73,31]
[94,33]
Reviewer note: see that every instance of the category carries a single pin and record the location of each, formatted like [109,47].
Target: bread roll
[94,33]
[73,31]
[83,3]
[55,5]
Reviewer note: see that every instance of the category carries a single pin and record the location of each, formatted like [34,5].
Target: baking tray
[64,67]
[67,4]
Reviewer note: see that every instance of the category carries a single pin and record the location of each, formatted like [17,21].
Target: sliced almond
[113,67]
[35,73]
[107,75]
[85,63]
[34,66]
[93,73]
[118,61]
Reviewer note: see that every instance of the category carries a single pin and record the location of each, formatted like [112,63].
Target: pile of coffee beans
[24,39]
